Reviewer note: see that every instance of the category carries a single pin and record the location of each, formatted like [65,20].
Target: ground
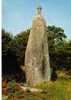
[56,90]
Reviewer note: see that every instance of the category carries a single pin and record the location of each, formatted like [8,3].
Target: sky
[17,15]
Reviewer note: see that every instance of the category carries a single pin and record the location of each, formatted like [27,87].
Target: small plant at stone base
[4,97]
[11,88]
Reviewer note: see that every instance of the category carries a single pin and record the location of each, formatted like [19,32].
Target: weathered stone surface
[30,89]
[37,57]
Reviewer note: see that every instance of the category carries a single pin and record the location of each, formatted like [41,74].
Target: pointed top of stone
[39,10]
[38,18]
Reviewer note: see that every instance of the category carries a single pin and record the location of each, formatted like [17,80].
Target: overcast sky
[17,15]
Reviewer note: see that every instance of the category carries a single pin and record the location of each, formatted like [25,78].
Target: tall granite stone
[37,57]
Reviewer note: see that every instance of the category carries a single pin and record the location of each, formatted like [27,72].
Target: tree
[14,47]
[10,67]
[9,58]
[6,39]
[67,55]
[19,45]
[56,37]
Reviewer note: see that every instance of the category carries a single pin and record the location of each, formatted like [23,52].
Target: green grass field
[58,90]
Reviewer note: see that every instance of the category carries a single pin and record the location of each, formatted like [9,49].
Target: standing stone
[37,57]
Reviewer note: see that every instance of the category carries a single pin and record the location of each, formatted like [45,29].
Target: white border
[0,50]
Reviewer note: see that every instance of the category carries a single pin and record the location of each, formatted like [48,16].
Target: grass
[58,90]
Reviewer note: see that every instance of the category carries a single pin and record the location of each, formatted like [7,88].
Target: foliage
[6,39]
[10,66]
[13,49]
[56,36]
[12,84]
[20,42]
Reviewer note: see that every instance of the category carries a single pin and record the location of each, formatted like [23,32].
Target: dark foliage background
[13,51]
